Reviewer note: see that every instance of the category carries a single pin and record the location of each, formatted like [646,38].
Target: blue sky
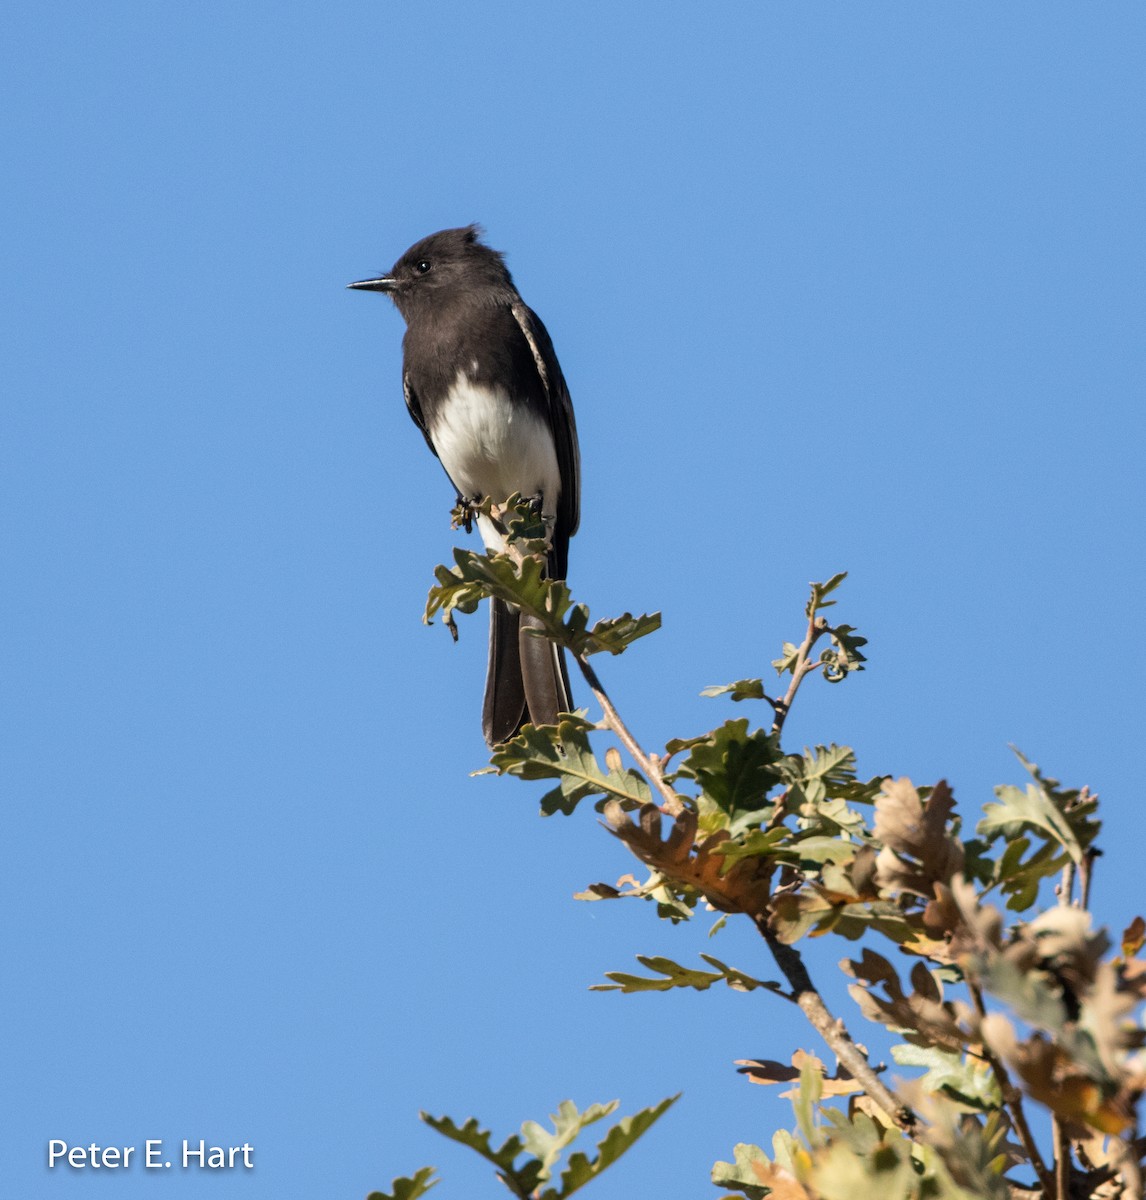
[835,287]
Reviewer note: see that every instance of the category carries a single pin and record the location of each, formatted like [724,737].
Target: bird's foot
[462,515]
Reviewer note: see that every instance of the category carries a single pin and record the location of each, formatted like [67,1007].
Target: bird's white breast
[491,446]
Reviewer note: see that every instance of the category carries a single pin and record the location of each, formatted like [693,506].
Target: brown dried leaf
[1133,937]
[863,873]
[917,852]
[863,1103]
[767,1071]
[599,891]
[1052,1078]
[628,886]
[1064,943]
[904,822]
[923,1019]
[925,941]
[953,925]
[809,910]
[781,1184]
[1133,976]
[872,968]
[924,983]
[979,929]
[679,856]
[941,915]
[1105,1016]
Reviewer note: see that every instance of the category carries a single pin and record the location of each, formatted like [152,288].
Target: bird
[482,382]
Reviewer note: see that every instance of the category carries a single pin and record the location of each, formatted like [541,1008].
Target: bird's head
[441,268]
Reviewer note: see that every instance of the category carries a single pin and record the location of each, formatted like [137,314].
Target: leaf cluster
[529,1162]
[519,577]
[998,1009]
[843,1153]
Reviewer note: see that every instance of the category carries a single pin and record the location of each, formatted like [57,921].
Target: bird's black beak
[385,283]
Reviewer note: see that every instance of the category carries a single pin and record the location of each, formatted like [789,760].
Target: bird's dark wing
[415,409]
[564,427]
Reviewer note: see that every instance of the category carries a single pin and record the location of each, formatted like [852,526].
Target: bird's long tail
[527,678]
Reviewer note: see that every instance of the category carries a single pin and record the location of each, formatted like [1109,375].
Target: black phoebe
[483,384]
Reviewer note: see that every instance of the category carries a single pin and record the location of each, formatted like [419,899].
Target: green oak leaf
[963,1078]
[1027,993]
[408,1188]
[522,584]
[743,1175]
[759,843]
[736,769]
[786,663]
[1019,875]
[673,975]
[844,655]
[471,1134]
[622,1136]
[827,765]
[547,1146]
[562,752]
[616,634]
[742,689]
[526,1177]
[820,590]
[1065,816]
[520,580]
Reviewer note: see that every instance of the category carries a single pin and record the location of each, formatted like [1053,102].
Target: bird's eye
[422,266]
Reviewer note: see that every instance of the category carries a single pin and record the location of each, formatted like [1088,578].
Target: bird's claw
[462,515]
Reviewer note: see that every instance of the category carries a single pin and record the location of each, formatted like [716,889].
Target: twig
[1066,888]
[833,1031]
[1061,1159]
[1085,874]
[817,627]
[673,804]
[1013,1098]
